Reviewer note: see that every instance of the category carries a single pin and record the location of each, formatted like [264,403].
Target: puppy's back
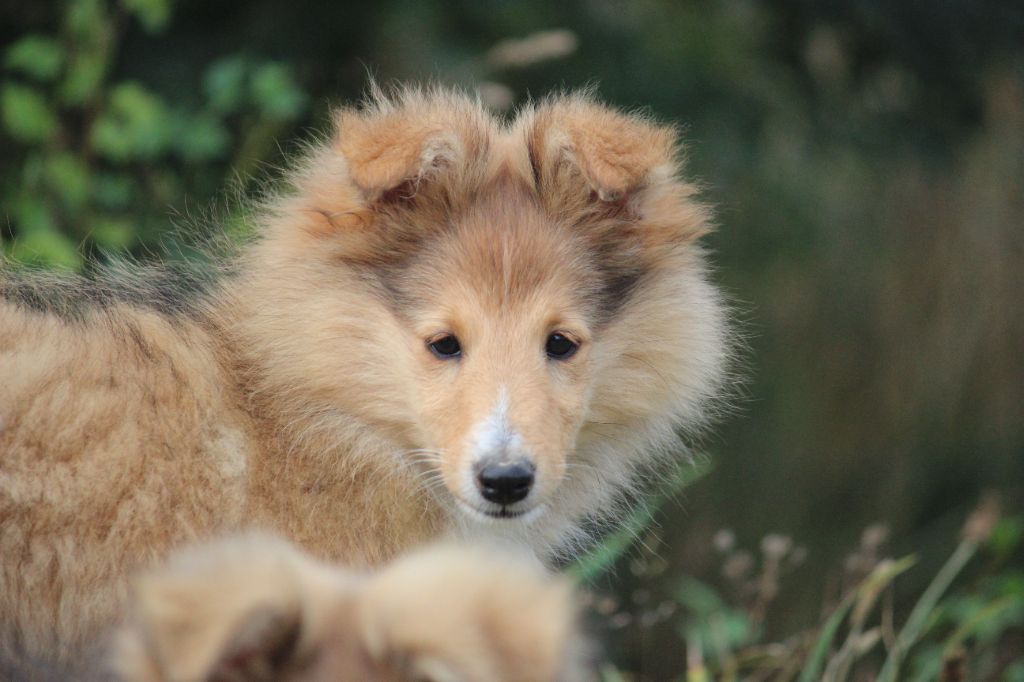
[117,441]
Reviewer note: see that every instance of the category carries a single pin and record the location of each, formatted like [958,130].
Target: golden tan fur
[252,609]
[298,393]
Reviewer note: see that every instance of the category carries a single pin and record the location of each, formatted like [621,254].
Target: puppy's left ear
[230,612]
[591,162]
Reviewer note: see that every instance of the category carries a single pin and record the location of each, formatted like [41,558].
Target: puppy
[447,326]
[254,609]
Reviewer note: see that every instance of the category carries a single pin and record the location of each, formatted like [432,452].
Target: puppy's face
[486,294]
[500,311]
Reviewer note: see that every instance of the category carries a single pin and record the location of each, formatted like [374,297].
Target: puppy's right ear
[236,611]
[396,144]
[401,150]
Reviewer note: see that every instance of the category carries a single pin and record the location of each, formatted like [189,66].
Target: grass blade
[600,559]
[924,608]
[876,581]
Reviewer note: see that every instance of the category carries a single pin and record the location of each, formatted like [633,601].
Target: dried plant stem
[924,608]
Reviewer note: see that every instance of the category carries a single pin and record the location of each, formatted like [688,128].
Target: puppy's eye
[445,347]
[560,347]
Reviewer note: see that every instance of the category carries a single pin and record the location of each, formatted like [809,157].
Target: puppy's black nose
[505,483]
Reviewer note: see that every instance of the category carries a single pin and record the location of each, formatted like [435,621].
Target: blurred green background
[866,158]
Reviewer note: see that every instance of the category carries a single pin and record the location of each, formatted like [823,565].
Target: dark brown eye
[445,347]
[560,347]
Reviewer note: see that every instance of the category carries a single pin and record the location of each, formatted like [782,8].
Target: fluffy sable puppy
[253,609]
[448,325]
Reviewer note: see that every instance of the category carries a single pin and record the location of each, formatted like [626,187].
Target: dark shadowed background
[867,161]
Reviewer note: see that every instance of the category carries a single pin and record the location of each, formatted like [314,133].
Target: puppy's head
[494,296]
[254,610]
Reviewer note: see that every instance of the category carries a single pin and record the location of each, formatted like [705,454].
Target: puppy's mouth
[506,513]
[501,513]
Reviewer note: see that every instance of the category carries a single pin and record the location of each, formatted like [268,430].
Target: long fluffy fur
[293,393]
[253,608]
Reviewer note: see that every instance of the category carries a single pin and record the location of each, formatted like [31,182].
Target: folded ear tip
[615,151]
[412,137]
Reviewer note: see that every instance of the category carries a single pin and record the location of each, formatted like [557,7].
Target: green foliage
[868,167]
[97,163]
[26,115]
[152,14]
[956,627]
[88,36]
[135,126]
[40,242]
[224,84]
[67,177]
[200,137]
[37,57]
[713,627]
[598,561]
[274,94]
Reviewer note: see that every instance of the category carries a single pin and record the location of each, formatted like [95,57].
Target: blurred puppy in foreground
[255,609]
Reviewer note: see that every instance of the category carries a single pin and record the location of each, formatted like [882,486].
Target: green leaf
[68,178]
[926,665]
[201,138]
[224,84]
[135,125]
[1009,582]
[993,614]
[89,24]
[152,14]
[38,240]
[26,115]
[31,215]
[46,248]
[85,75]
[698,597]
[113,232]
[275,92]
[719,629]
[85,18]
[33,172]
[113,190]
[1006,536]
[36,56]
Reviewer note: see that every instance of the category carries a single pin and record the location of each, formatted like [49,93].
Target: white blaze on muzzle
[494,446]
[493,440]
